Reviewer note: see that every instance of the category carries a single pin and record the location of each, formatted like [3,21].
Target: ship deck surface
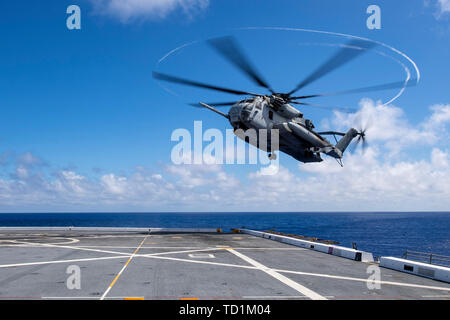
[39,265]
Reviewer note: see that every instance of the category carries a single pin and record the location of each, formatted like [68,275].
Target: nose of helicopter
[234,114]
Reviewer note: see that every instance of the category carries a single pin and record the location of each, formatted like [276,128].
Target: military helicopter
[297,137]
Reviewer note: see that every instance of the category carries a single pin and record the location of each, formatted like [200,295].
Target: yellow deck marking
[124,267]
[188,298]
[133,298]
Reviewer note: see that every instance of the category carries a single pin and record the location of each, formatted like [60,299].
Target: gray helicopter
[297,137]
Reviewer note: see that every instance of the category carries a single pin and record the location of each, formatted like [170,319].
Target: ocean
[382,233]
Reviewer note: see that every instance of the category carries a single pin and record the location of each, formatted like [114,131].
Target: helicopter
[275,111]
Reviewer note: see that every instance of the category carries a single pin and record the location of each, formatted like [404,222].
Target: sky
[85,128]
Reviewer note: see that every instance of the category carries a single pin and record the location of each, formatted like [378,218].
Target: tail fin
[347,139]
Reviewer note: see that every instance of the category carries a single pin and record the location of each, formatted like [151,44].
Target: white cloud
[439,117]
[386,177]
[388,127]
[21,172]
[127,10]
[29,159]
[368,183]
[365,183]
[114,184]
[444,6]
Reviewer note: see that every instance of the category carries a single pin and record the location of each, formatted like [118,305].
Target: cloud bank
[127,10]
[406,167]
[444,6]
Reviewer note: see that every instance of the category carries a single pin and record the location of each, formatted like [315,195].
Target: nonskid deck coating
[34,265]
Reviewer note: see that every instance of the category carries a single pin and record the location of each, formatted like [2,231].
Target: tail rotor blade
[362,137]
[364,145]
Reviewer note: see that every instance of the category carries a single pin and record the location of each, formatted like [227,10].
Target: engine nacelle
[288,111]
[307,135]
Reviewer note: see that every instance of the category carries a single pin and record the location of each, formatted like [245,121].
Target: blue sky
[84,127]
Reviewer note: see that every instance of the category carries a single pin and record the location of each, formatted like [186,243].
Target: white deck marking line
[122,254]
[280,297]
[201,255]
[114,252]
[176,252]
[72,240]
[404,284]
[218,264]
[198,261]
[123,269]
[95,259]
[115,236]
[74,248]
[154,247]
[85,298]
[294,285]
[60,261]
[70,247]
[125,255]
[99,258]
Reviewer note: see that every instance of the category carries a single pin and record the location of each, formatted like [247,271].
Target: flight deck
[104,265]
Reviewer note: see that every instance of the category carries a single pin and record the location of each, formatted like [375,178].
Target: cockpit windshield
[246,112]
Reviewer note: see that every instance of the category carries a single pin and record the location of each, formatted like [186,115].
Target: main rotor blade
[350,51]
[343,109]
[230,50]
[380,87]
[168,78]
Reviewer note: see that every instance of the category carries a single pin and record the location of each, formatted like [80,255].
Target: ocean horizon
[381,233]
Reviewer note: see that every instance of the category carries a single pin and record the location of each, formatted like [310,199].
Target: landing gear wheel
[272,156]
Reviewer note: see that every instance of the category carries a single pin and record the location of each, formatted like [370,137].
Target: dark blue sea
[380,233]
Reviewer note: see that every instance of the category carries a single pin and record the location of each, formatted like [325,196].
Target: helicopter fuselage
[296,135]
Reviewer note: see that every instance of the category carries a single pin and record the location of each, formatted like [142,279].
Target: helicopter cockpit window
[245,113]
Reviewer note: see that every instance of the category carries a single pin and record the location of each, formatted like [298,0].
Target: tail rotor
[361,141]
